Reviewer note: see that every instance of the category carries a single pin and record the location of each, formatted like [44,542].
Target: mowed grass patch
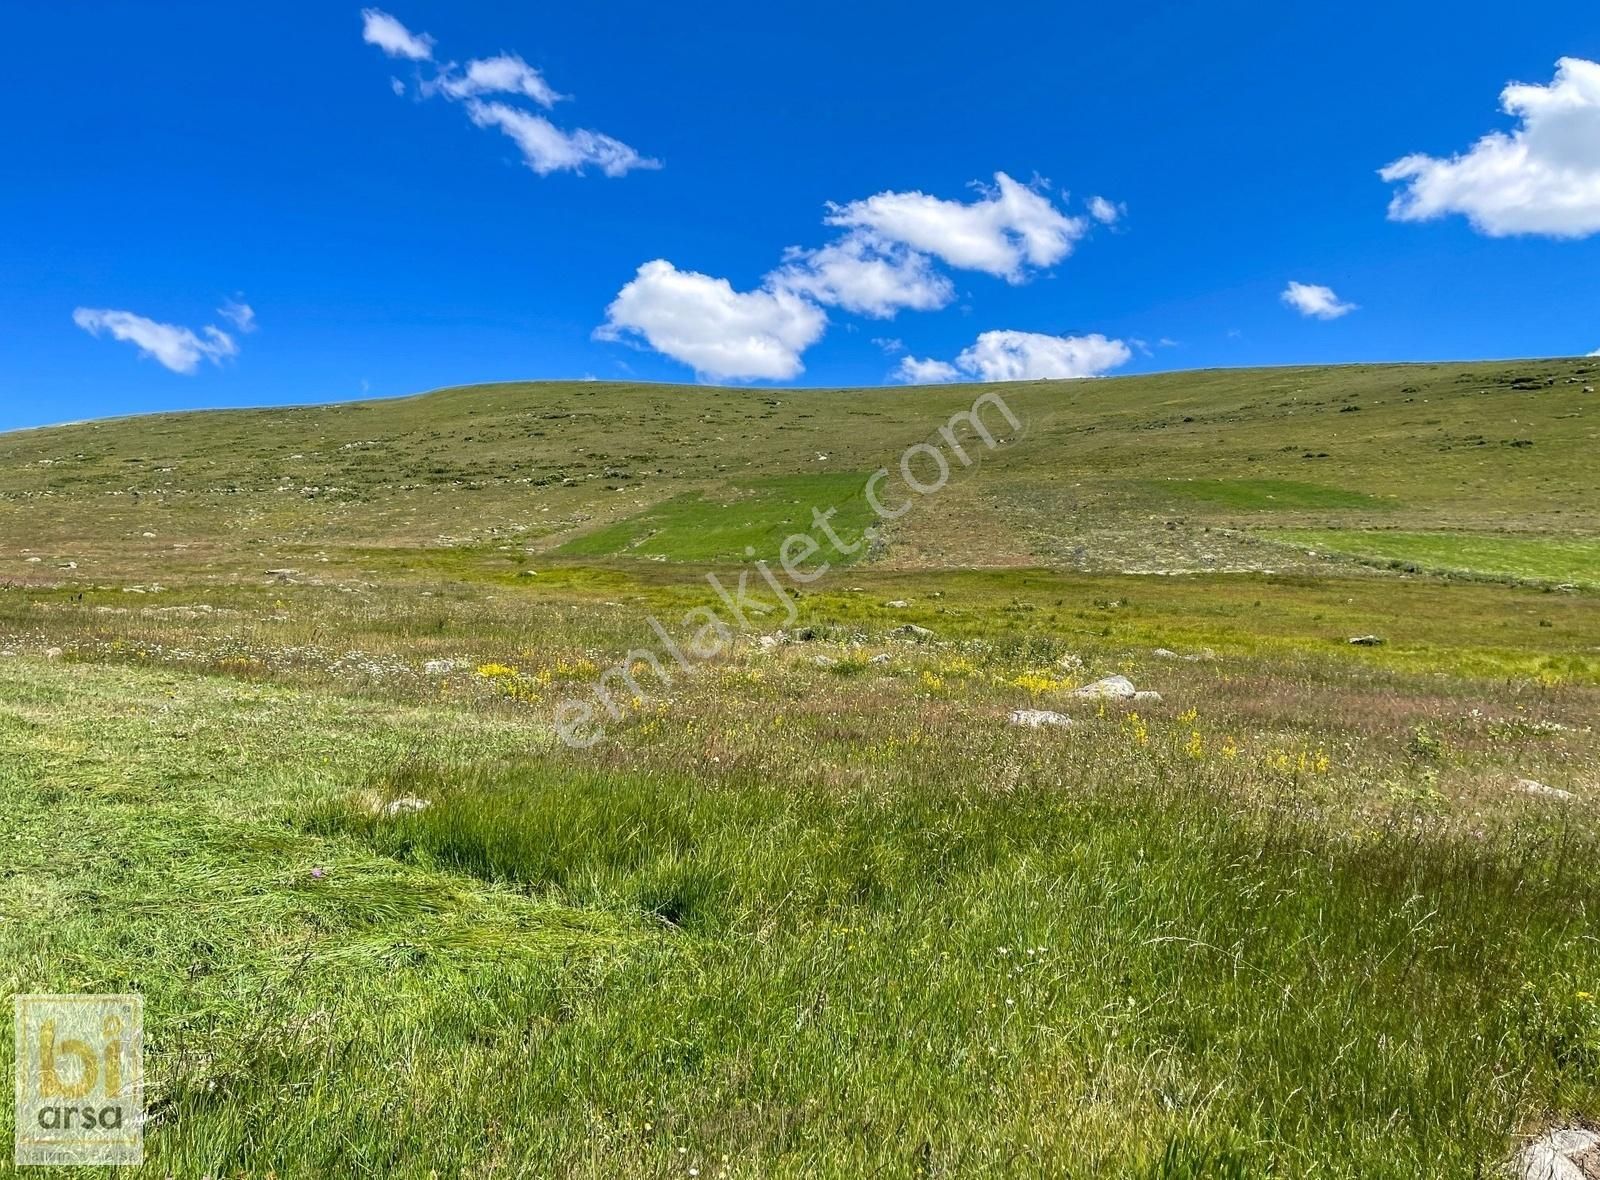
[1536,559]
[1131,975]
[1264,495]
[732,524]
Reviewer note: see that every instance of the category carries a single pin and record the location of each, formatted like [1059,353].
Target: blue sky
[352,180]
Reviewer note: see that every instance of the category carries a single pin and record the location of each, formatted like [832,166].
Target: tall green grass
[1123,976]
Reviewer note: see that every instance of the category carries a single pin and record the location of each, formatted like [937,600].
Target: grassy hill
[281,749]
[1477,467]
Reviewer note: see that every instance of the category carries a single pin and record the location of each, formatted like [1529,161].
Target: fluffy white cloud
[1029,356]
[925,372]
[1104,211]
[863,274]
[1596,352]
[1542,178]
[546,148]
[380,29]
[506,74]
[1006,230]
[241,315]
[178,348]
[1318,302]
[703,322]
[1022,356]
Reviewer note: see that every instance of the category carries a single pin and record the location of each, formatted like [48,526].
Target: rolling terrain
[871,886]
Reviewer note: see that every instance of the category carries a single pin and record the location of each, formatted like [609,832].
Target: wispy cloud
[178,348]
[380,29]
[545,147]
[1315,301]
[240,314]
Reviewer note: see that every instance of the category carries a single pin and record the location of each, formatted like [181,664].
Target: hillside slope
[1474,466]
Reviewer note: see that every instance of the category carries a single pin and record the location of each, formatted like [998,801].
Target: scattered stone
[35,560]
[912,631]
[1166,653]
[1110,688]
[1070,663]
[1035,718]
[52,653]
[768,642]
[1529,786]
[897,603]
[405,805]
[881,658]
[439,667]
[1365,641]
[803,635]
[1148,694]
[824,661]
[1568,587]
[283,573]
[69,565]
[1564,1153]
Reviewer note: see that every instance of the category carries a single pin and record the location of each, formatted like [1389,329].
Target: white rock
[439,667]
[1070,663]
[1112,687]
[881,658]
[1166,653]
[1531,786]
[52,653]
[1365,641]
[1148,694]
[1034,718]
[1561,1154]
[405,805]
[912,631]
[897,603]
[824,661]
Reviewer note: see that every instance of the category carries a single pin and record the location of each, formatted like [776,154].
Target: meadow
[277,700]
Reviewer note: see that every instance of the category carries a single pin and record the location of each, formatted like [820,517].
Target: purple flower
[317,873]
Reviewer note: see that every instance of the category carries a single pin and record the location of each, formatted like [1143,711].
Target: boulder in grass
[405,805]
[1565,1153]
[1039,718]
[1113,688]
[1529,786]
[1365,641]
[912,631]
[1148,695]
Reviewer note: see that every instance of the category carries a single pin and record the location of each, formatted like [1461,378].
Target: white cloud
[1023,356]
[546,148]
[505,74]
[890,344]
[863,274]
[380,29]
[241,315]
[1104,211]
[1318,302]
[925,372]
[1542,178]
[1006,230]
[178,348]
[1596,352]
[703,322]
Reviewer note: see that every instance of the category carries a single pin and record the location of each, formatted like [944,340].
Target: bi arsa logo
[80,1073]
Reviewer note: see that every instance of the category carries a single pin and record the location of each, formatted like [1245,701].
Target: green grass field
[279,750]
